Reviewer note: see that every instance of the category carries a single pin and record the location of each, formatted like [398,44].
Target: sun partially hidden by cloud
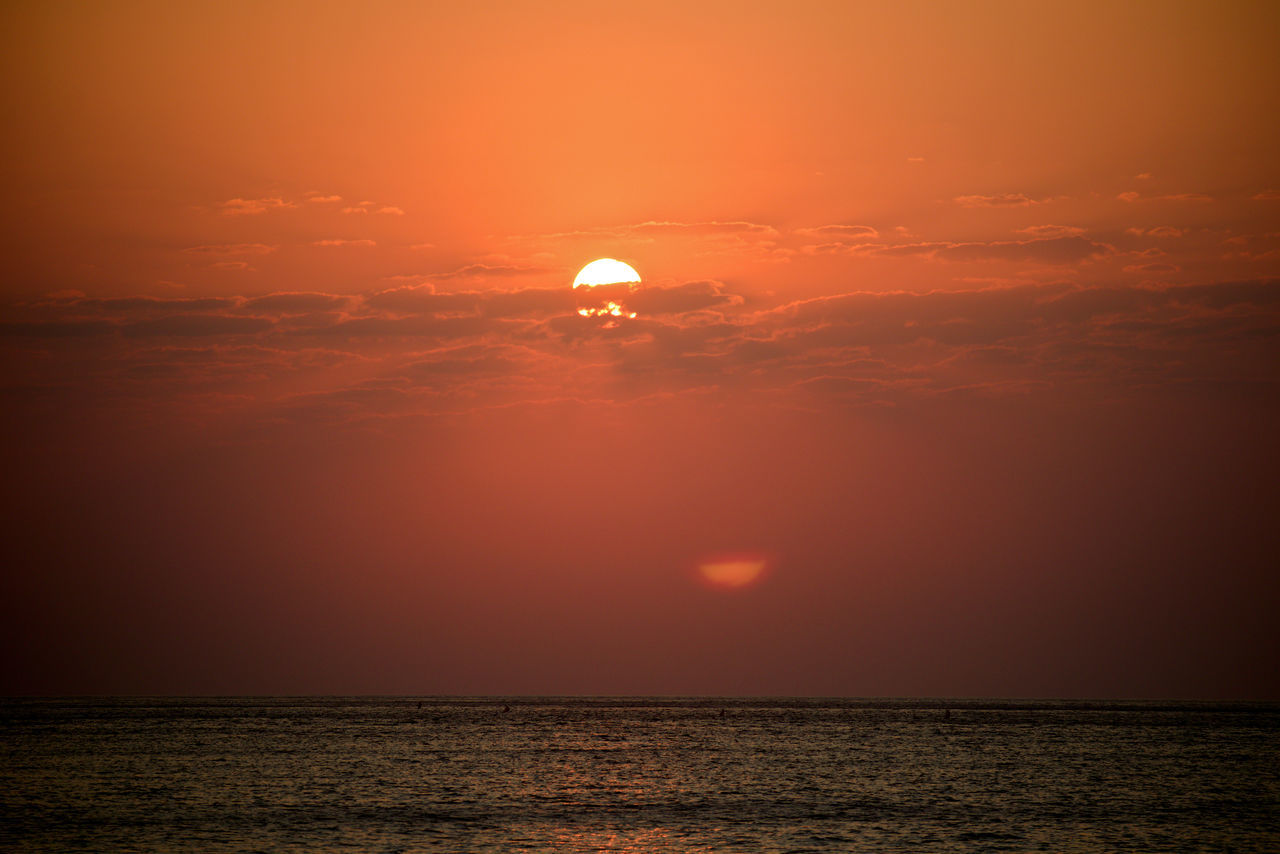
[603,283]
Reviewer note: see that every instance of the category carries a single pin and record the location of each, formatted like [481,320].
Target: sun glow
[606,271]
[731,572]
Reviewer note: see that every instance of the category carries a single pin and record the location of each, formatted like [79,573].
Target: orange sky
[961,318]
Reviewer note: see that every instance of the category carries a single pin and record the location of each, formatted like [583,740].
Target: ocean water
[636,775]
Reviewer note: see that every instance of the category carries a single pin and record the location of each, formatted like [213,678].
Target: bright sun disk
[606,271]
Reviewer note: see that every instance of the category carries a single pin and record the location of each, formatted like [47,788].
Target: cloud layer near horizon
[431,352]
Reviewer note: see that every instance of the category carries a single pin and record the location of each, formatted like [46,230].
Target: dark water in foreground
[636,775]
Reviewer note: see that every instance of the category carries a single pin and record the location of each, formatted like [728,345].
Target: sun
[606,271]
[615,280]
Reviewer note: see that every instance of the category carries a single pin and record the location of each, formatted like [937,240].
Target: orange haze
[967,315]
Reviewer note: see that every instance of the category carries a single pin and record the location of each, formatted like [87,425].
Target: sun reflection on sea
[638,841]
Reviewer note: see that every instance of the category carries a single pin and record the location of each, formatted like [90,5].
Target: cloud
[1260,293]
[741,238]
[1266,196]
[1152,268]
[894,314]
[841,232]
[448,365]
[838,239]
[319,199]
[423,299]
[250,207]
[491,271]
[340,241]
[154,304]
[1043,231]
[835,248]
[862,347]
[420,326]
[372,207]
[1001,200]
[225,249]
[706,229]
[61,328]
[297,301]
[186,325]
[691,296]
[1134,196]
[420,299]
[527,302]
[1158,231]
[1054,250]
[1050,327]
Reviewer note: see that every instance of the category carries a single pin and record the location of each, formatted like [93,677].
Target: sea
[636,774]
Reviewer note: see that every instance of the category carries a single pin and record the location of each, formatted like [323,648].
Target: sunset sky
[960,322]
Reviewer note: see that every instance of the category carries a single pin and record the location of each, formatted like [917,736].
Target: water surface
[636,775]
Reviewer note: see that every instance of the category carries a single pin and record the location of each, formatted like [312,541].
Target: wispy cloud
[367,207]
[1157,231]
[251,207]
[342,241]
[1152,268]
[842,232]
[1132,196]
[999,200]
[483,269]
[226,249]
[1053,250]
[1045,231]
[854,348]
[710,228]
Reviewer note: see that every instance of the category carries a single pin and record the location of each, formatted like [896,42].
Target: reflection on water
[637,775]
[637,841]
